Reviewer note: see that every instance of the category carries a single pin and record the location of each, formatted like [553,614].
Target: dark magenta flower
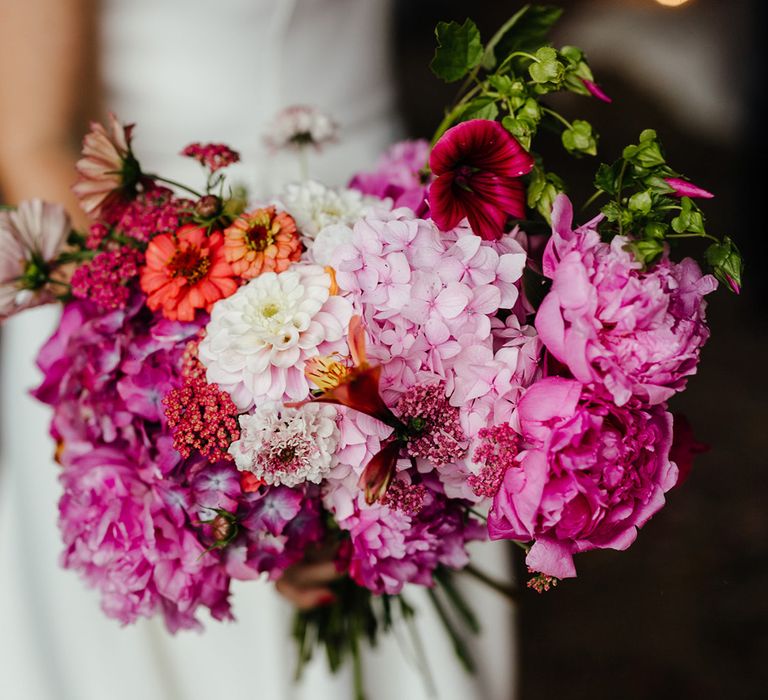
[477,165]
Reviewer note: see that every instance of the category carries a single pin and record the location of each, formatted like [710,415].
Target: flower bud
[208,207]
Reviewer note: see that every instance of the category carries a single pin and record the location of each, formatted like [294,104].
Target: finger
[304,598]
[308,575]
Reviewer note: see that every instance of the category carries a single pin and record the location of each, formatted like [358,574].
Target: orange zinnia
[262,240]
[186,271]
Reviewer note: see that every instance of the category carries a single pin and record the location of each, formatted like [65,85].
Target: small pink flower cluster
[107,278]
[154,211]
[438,434]
[213,156]
[497,452]
[202,418]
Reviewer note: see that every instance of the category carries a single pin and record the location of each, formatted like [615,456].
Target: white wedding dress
[196,70]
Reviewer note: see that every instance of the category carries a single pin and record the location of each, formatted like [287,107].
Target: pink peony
[478,164]
[637,333]
[118,534]
[592,475]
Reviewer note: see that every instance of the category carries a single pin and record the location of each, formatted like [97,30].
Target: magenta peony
[592,475]
[635,332]
[478,164]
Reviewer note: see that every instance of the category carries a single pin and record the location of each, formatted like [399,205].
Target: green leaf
[543,187]
[656,230]
[547,68]
[726,262]
[647,154]
[607,177]
[459,50]
[647,250]
[520,129]
[579,138]
[528,32]
[641,202]
[480,108]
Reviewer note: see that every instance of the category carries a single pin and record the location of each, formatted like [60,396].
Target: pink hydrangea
[637,333]
[391,548]
[400,175]
[592,474]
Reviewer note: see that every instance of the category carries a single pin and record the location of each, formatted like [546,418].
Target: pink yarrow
[440,439]
[497,453]
[106,279]
[202,418]
[213,156]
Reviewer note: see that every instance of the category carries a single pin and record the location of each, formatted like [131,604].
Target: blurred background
[684,612]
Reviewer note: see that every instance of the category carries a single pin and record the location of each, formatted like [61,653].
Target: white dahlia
[287,446]
[259,339]
[315,206]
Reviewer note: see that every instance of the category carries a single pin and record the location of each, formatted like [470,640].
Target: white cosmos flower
[287,446]
[258,339]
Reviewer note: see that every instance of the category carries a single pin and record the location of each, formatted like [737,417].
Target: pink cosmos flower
[634,332]
[478,164]
[31,236]
[108,167]
[592,475]
[683,188]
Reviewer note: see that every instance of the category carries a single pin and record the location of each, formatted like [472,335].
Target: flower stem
[593,198]
[168,181]
[557,116]
[357,670]
[503,589]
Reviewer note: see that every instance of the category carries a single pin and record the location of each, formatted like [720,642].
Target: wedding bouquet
[435,355]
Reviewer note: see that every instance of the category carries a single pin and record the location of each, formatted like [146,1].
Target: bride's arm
[47,79]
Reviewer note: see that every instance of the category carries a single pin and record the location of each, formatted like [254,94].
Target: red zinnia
[186,271]
[477,164]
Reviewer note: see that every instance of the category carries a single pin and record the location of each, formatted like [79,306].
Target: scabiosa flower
[201,417]
[592,473]
[213,156]
[108,278]
[434,424]
[186,272]
[287,446]
[400,175]
[478,164]
[299,126]
[315,206]
[108,170]
[259,339]
[31,236]
[262,240]
[613,324]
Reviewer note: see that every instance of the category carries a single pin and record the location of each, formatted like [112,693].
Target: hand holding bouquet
[377,375]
